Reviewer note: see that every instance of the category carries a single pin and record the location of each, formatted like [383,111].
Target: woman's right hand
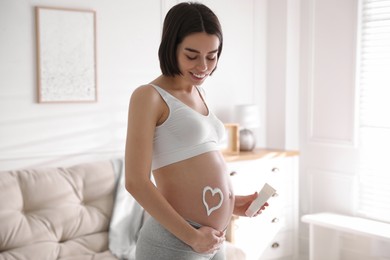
[208,240]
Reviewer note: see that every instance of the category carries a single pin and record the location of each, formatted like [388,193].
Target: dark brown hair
[182,20]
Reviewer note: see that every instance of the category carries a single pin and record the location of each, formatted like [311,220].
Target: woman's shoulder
[146,89]
[145,92]
[146,101]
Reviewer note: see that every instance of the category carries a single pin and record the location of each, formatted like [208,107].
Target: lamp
[248,117]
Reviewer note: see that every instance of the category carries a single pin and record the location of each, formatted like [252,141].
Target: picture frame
[66,55]
[232,143]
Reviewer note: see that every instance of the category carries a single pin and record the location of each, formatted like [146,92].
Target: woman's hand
[208,240]
[242,203]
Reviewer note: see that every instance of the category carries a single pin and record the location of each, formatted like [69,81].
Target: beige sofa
[80,212]
[57,213]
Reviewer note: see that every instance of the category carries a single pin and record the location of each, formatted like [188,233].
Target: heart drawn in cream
[213,192]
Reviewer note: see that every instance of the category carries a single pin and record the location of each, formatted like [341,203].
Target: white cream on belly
[214,192]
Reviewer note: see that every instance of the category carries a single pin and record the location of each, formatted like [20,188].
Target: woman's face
[197,56]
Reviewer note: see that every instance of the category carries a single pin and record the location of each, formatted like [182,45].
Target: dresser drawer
[253,235]
[281,246]
[279,170]
[250,176]
[283,218]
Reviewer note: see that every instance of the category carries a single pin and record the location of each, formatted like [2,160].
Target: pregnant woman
[173,134]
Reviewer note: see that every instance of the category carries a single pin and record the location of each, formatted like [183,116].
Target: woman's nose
[202,65]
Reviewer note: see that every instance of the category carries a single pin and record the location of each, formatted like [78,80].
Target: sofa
[78,212]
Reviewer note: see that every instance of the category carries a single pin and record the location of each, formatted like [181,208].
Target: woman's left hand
[242,203]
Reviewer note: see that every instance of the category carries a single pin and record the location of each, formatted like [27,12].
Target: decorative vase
[247,140]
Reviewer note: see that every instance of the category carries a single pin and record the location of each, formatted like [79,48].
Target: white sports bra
[185,133]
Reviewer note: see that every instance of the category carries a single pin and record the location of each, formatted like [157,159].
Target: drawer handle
[275,169]
[233,173]
[275,220]
[275,245]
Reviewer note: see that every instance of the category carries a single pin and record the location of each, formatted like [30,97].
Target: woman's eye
[191,58]
[211,58]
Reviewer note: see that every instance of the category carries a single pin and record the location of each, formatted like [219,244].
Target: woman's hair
[182,20]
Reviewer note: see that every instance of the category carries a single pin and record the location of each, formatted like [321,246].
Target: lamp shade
[247,116]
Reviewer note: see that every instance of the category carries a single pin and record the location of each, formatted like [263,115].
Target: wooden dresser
[274,233]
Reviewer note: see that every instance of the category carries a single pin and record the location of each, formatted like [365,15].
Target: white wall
[328,136]
[128,35]
[282,74]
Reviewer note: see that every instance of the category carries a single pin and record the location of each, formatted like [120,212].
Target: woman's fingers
[209,241]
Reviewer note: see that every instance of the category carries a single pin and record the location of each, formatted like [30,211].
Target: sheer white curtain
[374,83]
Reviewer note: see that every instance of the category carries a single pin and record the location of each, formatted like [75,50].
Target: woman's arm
[145,111]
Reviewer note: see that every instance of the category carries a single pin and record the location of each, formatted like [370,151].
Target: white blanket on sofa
[127,218]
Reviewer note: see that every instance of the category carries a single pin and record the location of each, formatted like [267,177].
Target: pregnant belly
[199,189]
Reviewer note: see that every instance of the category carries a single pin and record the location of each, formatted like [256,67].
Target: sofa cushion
[56,213]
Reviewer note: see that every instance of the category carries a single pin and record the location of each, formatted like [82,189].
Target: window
[374,105]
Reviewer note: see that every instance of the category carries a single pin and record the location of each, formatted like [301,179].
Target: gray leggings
[155,242]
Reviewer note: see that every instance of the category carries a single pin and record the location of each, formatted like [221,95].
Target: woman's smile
[197,55]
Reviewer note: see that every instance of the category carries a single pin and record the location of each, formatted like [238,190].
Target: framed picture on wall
[231,143]
[66,55]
